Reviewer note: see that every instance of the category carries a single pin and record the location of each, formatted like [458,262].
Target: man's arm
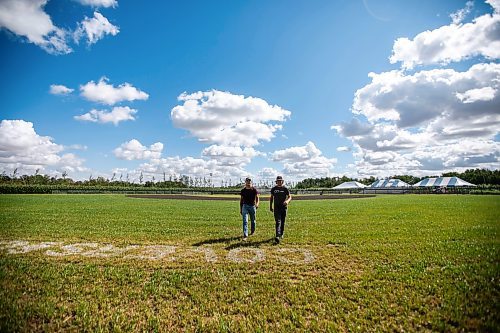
[256,199]
[241,204]
[271,203]
[288,199]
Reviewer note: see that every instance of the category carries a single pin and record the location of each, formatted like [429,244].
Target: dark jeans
[280,217]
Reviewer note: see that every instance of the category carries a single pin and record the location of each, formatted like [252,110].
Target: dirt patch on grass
[236,197]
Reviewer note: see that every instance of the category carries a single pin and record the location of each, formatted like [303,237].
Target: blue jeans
[245,211]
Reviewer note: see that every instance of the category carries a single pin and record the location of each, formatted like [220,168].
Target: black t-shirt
[249,195]
[279,194]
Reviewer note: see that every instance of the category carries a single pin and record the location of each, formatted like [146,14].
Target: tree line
[474,176]
[64,180]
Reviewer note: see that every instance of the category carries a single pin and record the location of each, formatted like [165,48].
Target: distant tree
[368,181]
[408,179]
[481,176]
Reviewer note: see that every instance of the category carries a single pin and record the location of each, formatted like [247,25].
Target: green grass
[389,263]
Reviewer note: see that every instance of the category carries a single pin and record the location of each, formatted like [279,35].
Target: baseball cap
[248,179]
[279,178]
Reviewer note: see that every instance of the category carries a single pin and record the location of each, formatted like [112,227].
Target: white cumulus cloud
[57,89]
[413,100]
[343,149]
[99,3]
[134,150]
[451,43]
[95,28]
[23,149]
[495,4]
[27,18]
[192,167]
[460,14]
[304,161]
[115,116]
[227,119]
[230,155]
[427,122]
[105,93]
[295,154]
[268,174]
[353,128]
[479,94]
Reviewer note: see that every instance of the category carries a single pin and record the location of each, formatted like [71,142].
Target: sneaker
[252,233]
[277,240]
[245,239]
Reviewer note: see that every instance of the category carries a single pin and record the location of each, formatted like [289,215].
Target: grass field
[389,263]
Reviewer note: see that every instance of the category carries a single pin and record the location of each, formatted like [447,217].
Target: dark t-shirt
[279,194]
[249,195]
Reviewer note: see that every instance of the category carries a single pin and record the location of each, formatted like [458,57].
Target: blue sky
[229,89]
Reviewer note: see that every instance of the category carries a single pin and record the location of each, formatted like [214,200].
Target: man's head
[279,180]
[248,181]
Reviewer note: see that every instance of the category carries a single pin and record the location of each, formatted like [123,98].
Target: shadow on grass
[249,243]
[217,240]
[240,243]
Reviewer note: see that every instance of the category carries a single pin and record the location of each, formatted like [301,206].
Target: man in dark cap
[281,197]
[249,202]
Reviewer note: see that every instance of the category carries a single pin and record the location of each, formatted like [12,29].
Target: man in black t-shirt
[249,202]
[281,197]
